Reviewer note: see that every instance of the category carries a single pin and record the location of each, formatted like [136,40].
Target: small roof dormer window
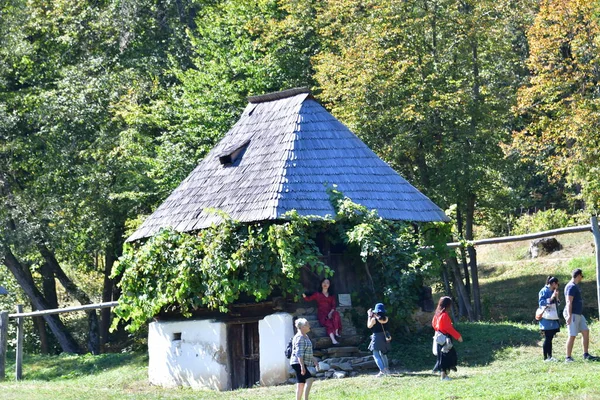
[233,153]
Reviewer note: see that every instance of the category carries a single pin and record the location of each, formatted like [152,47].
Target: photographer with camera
[379,344]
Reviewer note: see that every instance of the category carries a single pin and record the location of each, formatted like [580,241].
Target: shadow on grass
[482,342]
[69,366]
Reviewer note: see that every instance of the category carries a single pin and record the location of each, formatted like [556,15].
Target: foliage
[559,106]
[215,267]
[392,253]
[542,221]
[106,106]
[221,264]
[428,85]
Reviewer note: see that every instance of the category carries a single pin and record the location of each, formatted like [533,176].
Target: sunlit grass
[497,361]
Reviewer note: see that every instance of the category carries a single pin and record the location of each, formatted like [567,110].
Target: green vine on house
[213,267]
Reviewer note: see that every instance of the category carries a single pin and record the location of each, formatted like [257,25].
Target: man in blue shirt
[573,314]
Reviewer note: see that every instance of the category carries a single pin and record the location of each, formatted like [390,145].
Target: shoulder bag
[388,337]
[550,312]
[539,312]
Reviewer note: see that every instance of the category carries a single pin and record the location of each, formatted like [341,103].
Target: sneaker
[569,359]
[550,359]
[446,378]
[589,357]
[380,374]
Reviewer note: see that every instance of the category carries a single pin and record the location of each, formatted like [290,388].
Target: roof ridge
[278,95]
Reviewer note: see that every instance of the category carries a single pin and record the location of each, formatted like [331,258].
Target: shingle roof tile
[294,149]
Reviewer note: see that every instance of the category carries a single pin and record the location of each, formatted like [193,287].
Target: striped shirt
[301,347]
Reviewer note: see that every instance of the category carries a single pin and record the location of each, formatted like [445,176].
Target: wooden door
[244,360]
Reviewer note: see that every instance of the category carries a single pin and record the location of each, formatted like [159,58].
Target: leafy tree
[74,165]
[429,86]
[559,105]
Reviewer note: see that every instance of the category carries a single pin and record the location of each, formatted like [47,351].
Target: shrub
[542,221]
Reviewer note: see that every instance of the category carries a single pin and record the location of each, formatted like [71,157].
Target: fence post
[19,363]
[3,343]
[596,232]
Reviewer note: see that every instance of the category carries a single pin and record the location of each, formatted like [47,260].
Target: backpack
[288,348]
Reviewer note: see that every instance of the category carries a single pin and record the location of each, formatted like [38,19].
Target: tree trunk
[371,283]
[38,322]
[82,297]
[471,196]
[448,289]
[473,255]
[446,280]
[40,326]
[107,295]
[65,340]
[451,261]
[49,285]
[113,251]
[463,255]
[49,290]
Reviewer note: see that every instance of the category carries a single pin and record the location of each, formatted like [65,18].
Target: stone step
[319,331]
[337,351]
[342,367]
[324,353]
[325,342]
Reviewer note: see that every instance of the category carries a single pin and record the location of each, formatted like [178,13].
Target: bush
[542,221]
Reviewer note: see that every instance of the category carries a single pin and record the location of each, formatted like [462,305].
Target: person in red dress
[326,312]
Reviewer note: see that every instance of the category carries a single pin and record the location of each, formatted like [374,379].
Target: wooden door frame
[240,373]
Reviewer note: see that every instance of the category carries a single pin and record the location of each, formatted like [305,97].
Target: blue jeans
[381,360]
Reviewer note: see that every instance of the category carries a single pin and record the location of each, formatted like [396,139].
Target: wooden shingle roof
[280,156]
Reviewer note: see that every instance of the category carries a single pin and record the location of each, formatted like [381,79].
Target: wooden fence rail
[4,320]
[528,236]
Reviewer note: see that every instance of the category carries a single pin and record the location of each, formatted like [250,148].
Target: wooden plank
[235,345]
[64,310]
[19,363]
[3,343]
[252,356]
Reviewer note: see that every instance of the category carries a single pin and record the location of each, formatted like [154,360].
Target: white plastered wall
[188,353]
[274,332]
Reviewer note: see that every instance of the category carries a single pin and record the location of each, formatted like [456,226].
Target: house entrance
[244,360]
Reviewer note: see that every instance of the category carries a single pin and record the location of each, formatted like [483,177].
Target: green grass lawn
[499,359]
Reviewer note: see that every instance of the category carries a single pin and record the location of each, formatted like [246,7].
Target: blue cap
[379,308]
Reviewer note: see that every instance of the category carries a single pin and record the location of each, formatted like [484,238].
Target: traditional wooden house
[278,157]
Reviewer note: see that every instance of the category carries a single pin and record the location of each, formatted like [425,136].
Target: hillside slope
[510,280]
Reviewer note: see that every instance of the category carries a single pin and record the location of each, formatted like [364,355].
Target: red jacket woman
[446,359]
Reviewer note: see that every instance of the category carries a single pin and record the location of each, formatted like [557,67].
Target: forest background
[490,108]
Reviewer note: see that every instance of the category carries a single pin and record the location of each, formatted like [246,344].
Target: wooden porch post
[19,351]
[3,343]
[596,232]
